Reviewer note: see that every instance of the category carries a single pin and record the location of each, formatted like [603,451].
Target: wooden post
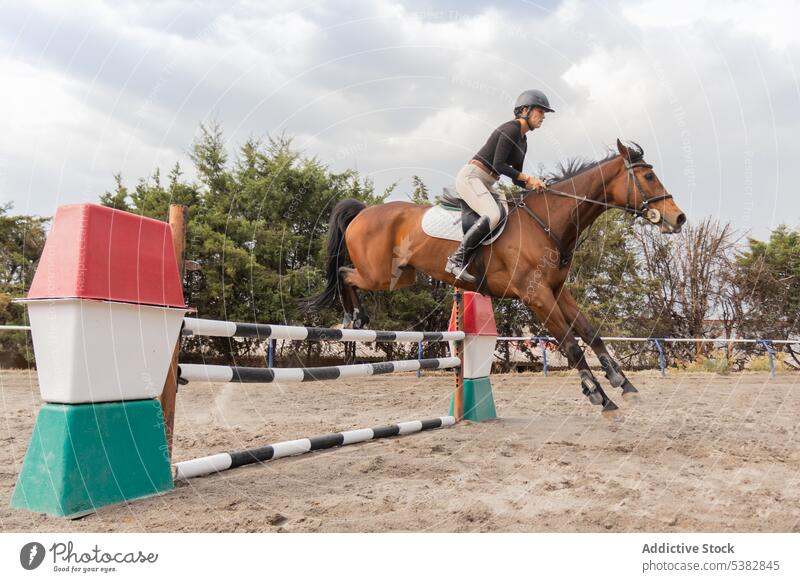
[458,394]
[178,216]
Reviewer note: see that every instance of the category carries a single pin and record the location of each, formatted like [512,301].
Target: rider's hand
[534,183]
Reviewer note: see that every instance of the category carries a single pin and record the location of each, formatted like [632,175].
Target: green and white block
[478,400]
[85,456]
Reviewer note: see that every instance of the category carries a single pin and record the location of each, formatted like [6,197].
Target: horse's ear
[623,150]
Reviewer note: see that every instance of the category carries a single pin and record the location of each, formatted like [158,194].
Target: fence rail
[657,342]
[767,344]
[661,339]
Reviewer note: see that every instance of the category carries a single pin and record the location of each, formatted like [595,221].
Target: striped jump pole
[204,373]
[224,461]
[214,328]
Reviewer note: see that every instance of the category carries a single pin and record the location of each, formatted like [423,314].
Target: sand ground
[701,452]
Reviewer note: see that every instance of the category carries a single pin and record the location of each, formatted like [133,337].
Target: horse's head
[637,188]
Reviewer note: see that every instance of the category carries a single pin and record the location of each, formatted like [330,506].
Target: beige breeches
[476,188]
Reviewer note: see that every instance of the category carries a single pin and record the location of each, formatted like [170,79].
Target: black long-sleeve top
[505,151]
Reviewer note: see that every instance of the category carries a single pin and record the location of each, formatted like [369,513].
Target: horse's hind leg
[355,315]
[379,254]
[353,279]
[577,320]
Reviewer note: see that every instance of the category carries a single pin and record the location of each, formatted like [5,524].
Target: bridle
[652,215]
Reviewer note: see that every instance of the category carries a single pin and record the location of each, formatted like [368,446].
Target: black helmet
[533,98]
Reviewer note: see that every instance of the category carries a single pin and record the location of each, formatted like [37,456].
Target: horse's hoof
[360,320]
[632,397]
[610,410]
[630,393]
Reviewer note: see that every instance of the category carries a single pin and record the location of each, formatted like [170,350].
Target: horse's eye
[649,176]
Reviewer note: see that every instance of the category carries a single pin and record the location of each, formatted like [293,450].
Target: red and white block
[105,306]
[480,333]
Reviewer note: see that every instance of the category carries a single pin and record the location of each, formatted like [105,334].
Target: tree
[21,243]
[420,194]
[257,224]
[605,277]
[688,275]
[767,277]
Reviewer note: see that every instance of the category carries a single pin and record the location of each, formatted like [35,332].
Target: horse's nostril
[681,220]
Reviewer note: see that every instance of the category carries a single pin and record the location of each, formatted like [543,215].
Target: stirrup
[459,272]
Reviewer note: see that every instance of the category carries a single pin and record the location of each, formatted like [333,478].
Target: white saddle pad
[440,223]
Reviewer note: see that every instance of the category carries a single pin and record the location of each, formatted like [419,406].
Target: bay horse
[529,261]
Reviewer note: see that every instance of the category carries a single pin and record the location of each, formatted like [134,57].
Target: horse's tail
[343,214]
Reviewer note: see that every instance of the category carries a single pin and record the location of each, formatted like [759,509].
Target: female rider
[502,154]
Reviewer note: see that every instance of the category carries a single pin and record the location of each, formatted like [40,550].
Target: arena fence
[657,342]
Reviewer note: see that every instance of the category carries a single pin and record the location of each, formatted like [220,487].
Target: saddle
[452,217]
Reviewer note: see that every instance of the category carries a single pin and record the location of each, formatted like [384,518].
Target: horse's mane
[571,167]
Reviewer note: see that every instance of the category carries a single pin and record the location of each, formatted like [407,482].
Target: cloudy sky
[394,88]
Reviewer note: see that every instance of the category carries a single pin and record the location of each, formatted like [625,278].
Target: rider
[503,153]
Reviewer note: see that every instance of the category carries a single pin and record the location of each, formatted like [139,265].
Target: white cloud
[57,147]
[396,88]
[41,100]
[569,11]
[773,22]
[459,30]
[610,78]
[448,130]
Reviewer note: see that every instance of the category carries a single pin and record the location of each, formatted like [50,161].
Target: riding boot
[458,262]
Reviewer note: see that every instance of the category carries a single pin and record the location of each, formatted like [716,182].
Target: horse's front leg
[581,324]
[544,306]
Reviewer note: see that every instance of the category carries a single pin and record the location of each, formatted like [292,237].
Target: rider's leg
[458,262]
[474,187]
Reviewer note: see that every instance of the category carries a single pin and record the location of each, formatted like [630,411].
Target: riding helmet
[533,98]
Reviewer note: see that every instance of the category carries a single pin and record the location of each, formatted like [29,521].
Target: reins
[644,210]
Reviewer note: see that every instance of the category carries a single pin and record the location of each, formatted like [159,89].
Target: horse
[529,261]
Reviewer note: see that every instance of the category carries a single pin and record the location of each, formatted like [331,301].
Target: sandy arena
[701,452]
